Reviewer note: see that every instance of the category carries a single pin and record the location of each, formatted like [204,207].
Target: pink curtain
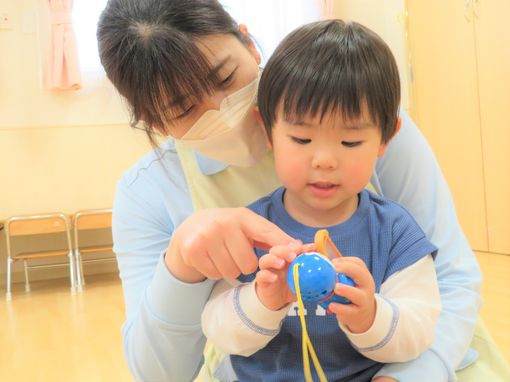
[327,11]
[63,69]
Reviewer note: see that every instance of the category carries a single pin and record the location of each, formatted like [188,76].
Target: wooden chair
[38,225]
[91,220]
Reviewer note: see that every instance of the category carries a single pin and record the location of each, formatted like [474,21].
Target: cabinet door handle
[468,10]
[476,8]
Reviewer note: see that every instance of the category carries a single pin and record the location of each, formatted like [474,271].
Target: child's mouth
[323,189]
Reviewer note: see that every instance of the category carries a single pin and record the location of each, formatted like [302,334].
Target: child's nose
[324,159]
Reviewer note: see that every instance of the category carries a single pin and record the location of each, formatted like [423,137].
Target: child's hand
[271,280]
[359,315]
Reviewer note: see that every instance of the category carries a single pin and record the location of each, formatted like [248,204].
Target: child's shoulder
[388,210]
[398,227]
[263,205]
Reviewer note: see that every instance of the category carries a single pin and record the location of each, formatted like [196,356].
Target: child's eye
[351,144]
[300,140]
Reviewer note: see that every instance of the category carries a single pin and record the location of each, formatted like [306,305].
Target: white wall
[61,151]
[65,151]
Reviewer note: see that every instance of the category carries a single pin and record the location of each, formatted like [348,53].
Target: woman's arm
[162,336]
[164,251]
[409,174]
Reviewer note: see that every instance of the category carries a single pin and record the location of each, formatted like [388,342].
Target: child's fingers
[271,261]
[355,295]
[265,277]
[308,247]
[358,320]
[286,252]
[344,313]
[356,270]
[348,260]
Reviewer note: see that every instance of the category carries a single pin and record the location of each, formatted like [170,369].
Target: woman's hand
[359,315]
[218,243]
[384,379]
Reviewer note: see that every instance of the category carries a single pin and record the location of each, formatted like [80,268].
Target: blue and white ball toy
[317,279]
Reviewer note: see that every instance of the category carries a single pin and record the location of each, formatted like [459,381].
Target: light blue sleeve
[410,175]
[162,336]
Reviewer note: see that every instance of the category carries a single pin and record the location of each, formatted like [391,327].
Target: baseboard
[56,273]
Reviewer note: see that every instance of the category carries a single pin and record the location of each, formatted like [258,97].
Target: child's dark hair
[331,66]
[149,51]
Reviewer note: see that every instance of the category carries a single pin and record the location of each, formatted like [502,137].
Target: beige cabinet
[459,52]
[493,61]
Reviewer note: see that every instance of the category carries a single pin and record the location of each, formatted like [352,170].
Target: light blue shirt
[163,340]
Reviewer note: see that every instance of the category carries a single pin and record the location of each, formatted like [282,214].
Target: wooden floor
[49,335]
[496,298]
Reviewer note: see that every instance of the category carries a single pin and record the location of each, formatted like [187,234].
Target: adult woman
[168,255]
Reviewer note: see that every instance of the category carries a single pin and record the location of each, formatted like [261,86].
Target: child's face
[324,165]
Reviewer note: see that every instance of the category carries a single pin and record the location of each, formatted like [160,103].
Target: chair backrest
[36,224]
[91,219]
[39,224]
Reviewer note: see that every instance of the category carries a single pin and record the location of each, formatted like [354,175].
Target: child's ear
[249,43]
[384,146]
[260,122]
[382,149]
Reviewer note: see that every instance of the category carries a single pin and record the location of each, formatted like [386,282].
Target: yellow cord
[306,344]
[322,240]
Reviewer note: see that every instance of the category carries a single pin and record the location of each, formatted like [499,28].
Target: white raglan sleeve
[236,322]
[408,306]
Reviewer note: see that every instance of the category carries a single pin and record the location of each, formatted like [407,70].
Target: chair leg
[8,286]
[82,277]
[27,283]
[71,272]
[79,270]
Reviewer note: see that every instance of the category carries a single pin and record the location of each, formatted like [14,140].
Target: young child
[329,100]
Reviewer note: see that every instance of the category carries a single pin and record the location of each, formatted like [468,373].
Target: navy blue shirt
[381,233]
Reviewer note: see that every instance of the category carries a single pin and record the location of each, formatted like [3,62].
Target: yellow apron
[239,186]
[232,187]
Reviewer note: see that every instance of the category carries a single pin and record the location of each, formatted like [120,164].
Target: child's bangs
[337,87]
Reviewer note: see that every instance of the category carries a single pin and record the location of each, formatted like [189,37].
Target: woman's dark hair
[149,51]
[331,66]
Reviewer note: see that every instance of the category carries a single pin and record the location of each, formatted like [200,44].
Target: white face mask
[231,134]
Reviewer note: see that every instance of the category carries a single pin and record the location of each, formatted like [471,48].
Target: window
[268,22]
[97,102]
[85,16]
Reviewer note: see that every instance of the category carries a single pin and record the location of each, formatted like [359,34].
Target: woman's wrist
[179,269]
